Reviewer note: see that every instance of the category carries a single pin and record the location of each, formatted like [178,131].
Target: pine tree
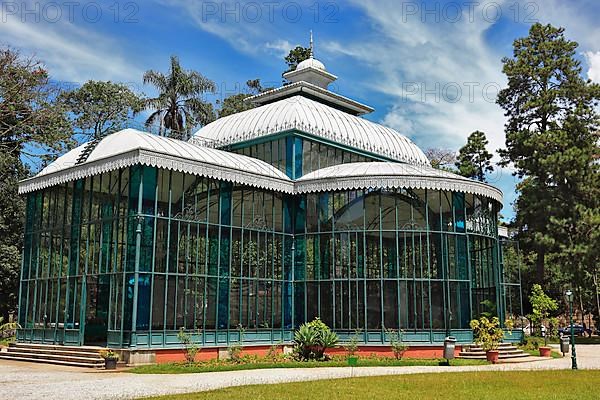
[552,142]
[473,158]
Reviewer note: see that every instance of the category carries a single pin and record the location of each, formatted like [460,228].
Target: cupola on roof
[306,105]
[311,70]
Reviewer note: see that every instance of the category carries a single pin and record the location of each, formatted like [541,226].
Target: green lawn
[563,385]
[182,368]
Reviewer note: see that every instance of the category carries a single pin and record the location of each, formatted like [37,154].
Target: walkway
[38,381]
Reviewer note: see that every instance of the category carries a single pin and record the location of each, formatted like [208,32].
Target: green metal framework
[127,258]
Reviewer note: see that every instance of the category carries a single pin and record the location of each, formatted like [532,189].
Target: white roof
[129,147]
[365,175]
[314,118]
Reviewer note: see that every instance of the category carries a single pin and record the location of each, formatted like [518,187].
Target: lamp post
[569,295]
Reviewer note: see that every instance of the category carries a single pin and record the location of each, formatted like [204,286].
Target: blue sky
[430,69]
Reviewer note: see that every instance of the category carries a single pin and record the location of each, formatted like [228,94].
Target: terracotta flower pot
[545,351]
[492,356]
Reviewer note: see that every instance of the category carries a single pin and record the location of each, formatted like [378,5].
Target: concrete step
[72,353]
[506,351]
[80,349]
[78,356]
[58,357]
[500,356]
[13,357]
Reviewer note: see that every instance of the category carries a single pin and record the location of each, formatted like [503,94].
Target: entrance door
[96,314]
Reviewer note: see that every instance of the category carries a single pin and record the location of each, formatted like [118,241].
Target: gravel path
[39,381]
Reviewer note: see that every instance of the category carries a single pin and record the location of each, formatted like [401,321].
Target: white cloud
[424,66]
[593,60]
[281,47]
[71,53]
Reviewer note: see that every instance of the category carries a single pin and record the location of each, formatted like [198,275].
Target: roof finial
[312,45]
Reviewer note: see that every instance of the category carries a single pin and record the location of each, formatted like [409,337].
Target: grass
[183,368]
[536,353]
[525,385]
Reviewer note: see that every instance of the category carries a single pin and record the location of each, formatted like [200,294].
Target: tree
[101,107]
[179,106]
[541,305]
[473,158]
[33,122]
[441,158]
[237,102]
[33,126]
[296,56]
[552,143]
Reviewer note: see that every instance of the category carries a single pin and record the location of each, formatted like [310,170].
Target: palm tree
[179,106]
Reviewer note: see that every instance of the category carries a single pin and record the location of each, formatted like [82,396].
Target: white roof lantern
[311,70]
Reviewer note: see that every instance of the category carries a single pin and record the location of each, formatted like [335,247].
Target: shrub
[312,339]
[235,349]
[542,305]
[397,342]
[190,347]
[487,332]
[108,354]
[352,345]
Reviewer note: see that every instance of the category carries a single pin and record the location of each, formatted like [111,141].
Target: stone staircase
[76,356]
[507,351]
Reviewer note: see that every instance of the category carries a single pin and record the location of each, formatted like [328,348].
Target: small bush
[487,332]
[190,347]
[352,345]
[312,339]
[397,342]
[235,350]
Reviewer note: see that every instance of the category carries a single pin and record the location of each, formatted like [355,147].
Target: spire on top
[312,45]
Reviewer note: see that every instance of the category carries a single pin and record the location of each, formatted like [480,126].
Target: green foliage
[490,309]
[312,339]
[296,56]
[473,158]
[30,111]
[285,361]
[542,305]
[179,106]
[101,107]
[33,127]
[487,332]
[190,347]
[8,329]
[396,339]
[237,102]
[109,354]
[235,349]
[552,142]
[351,346]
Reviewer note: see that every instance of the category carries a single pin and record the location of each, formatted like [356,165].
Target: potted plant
[542,305]
[110,358]
[352,347]
[488,334]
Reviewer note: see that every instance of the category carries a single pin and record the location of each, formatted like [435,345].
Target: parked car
[578,330]
[529,329]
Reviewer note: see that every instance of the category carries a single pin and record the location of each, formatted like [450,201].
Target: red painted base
[423,352]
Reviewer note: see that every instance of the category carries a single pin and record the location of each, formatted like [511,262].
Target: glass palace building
[295,209]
